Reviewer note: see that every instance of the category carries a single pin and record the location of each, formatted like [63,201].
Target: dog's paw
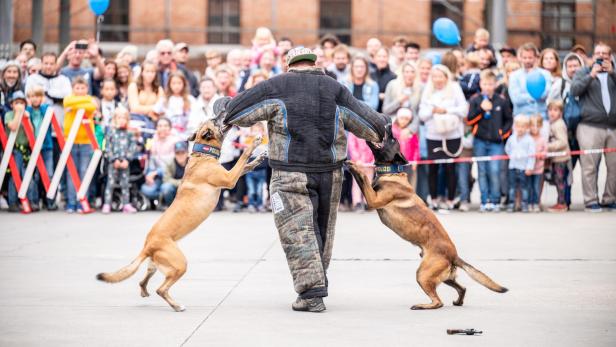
[179,308]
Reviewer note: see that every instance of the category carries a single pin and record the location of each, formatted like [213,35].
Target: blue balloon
[446,31]
[99,6]
[535,84]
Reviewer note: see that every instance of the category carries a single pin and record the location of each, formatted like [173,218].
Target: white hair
[164,44]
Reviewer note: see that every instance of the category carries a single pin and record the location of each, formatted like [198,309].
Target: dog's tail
[479,276]
[124,272]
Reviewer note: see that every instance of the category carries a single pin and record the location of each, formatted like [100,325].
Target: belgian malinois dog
[196,198]
[401,210]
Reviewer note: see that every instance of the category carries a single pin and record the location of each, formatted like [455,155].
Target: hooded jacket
[307,114]
[561,87]
[588,89]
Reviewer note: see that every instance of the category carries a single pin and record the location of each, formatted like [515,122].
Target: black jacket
[495,129]
[591,100]
[382,78]
[307,114]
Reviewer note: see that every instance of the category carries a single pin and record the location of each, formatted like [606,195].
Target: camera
[82,46]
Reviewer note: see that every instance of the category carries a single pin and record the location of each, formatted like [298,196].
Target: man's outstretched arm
[246,108]
[359,118]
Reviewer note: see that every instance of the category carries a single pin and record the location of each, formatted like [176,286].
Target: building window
[335,18]
[452,9]
[116,26]
[223,21]
[558,24]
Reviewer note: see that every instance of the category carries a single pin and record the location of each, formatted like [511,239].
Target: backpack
[572,111]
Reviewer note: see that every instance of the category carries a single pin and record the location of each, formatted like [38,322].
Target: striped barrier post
[66,161]
[35,159]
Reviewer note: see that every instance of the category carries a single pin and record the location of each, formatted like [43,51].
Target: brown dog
[401,210]
[196,198]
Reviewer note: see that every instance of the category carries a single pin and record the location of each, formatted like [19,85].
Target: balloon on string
[446,31]
[535,84]
[99,6]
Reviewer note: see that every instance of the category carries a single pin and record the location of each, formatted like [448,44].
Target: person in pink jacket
[409,141]
[360,153]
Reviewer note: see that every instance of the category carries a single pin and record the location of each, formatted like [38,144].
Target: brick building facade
[559,23]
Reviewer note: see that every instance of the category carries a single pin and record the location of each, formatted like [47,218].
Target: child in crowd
[108,102]
[161,152]
[255,179]
[119,150]
[536,178]
[559,142]
[490,117]
[360,153]
[521,150]
[263,40]
[81,152]
[409,142]
[37,111]
[471,76]
[177,104]
[21,151]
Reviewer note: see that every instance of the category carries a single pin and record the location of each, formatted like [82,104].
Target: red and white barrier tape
[505,157]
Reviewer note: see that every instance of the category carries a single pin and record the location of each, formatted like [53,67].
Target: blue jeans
[81,155]
[255,180]
[47,155]
[168,191]
[464,172]
[489,171]
[32,193]
[152,191]
[534,187]
[518,180]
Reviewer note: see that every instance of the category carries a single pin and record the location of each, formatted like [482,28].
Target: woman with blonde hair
[403,92]
[442,108]
[360,84]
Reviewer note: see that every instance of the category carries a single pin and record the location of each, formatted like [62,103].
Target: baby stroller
[136,178]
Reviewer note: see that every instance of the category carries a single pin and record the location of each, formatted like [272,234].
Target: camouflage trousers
[305,206]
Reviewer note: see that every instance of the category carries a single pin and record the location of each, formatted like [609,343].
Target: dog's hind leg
[170,261]
[458,287]
[429,276]
[144,283]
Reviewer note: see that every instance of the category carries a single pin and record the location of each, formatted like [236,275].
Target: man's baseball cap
[507,49]
[180,46]
[181,146]
[300,53]
[578,47]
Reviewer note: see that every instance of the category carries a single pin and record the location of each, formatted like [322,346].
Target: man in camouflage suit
[307,113]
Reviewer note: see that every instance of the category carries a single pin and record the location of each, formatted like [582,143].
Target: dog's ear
[208,134]
[193,137]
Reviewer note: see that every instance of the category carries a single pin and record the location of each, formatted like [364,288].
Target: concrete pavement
[559,269]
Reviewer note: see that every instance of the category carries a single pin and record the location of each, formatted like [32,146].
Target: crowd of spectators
[460,103]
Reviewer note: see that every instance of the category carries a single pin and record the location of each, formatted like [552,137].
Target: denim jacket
[370,93]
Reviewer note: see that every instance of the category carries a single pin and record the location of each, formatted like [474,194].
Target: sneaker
[489,207]
[593,208]
[558,208]
[251,209]
[13,208]
[237,208]
[128,208]
[106,208]
[70,210]
[464,207]
[3,203]
[483,208]
[496,208]
[35,207]
[609,207]
[510,208]
[309,305]
[525,208]
[442,205]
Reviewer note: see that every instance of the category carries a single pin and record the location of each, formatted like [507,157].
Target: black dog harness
[389,169]
[207,150]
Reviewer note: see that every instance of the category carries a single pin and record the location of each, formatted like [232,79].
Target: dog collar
[389,169]
[207,150]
